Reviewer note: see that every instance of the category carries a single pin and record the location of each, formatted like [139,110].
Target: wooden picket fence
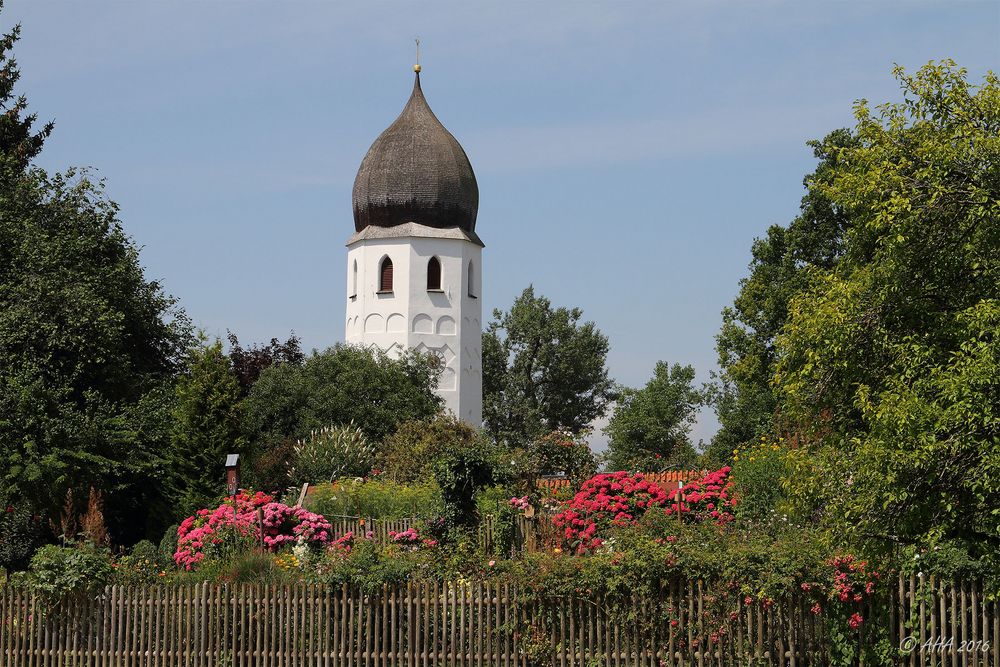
[468,623]
[530,533]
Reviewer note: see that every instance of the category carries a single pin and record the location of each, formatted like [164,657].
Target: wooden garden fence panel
[465,623]
[530,533]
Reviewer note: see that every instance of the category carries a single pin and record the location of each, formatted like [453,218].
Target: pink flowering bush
[520,503]
[233,524]
[411,539]
[707,499]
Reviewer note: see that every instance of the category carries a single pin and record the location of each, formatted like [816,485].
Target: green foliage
[168,545]
[542,371]
[142,566]
[930,459]
[561,453]
[330,453]
[21,533]
[780,268]
[249,363]
[18,142]
[890,356]
[461,474]
[650,426]
[88,349]
[58,573]
[268,469]
[406,455]
[376,499]
[757,472]
[244,566]
[370,566]
[340,385]
[206,427]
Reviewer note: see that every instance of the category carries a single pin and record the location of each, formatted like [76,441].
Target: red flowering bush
[707,499]
[604,501]
[618,499]
[235,522]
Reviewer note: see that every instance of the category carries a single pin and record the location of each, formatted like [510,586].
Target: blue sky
[627,152]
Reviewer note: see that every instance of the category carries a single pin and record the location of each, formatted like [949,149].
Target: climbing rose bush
[604,501]
[610,500]
[707,499]
[235,520]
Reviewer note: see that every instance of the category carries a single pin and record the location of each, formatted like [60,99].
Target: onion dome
[416,171]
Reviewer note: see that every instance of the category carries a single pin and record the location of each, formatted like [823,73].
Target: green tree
[338,386]
[87,347]
[888,358]
[206,427]
[19,143]
[744,398]
[650,427]
[250,362]
[542,371]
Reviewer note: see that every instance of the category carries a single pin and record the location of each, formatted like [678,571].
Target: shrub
[708,499]
[461,474]
[606,500]
[168,545]
[250,567]
[757,474]
[563,453]
[615,500]
[409,452]
[330,453]
[232,528]
[21,533]
[269,466]
[376,499]
[59,573]
[141,566]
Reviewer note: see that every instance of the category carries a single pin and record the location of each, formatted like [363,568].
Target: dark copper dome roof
[416,172]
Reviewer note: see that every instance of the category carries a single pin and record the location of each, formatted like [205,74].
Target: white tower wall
[446,322]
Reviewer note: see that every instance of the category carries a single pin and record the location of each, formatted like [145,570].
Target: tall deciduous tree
[889,358]
[207,425]
[650,427]
[543,370]
[86,345]
[745,399]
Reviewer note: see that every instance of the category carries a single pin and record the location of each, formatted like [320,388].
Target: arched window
[472,281]
[385,276]
[433,274]
[354,279]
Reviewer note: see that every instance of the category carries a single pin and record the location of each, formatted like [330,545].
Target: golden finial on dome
[416,68]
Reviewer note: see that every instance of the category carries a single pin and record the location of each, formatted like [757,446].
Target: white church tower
[414,263]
